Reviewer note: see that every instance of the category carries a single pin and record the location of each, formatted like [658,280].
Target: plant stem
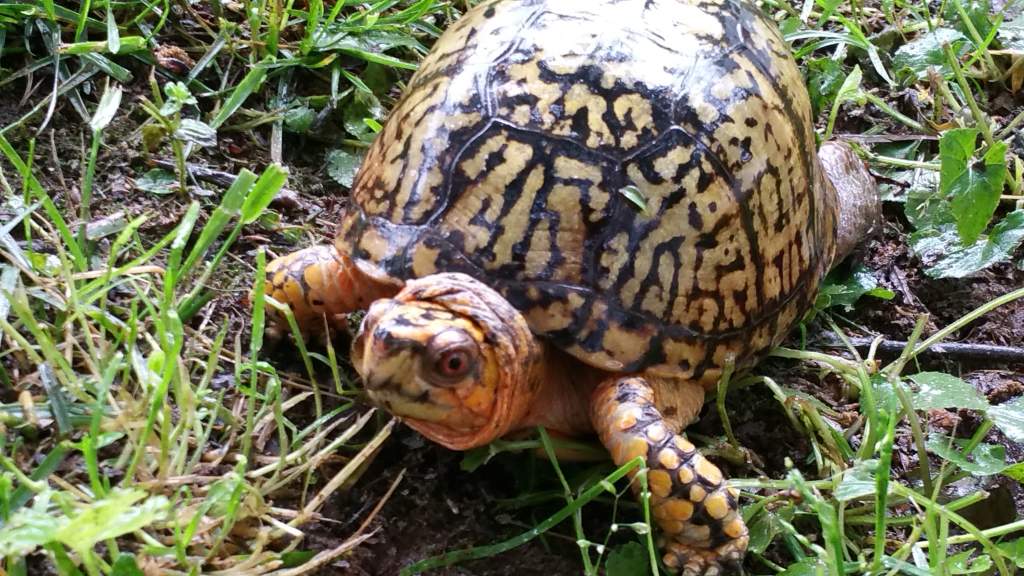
[967,319]
[990,64]
[906,120]
[979,117]
[84,211]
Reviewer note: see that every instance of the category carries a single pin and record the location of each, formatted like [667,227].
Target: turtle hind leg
[702,532]
[317,283]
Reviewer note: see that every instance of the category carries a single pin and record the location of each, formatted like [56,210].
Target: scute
[509,156]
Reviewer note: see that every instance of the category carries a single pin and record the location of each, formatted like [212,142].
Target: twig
[324,557]
[951,350]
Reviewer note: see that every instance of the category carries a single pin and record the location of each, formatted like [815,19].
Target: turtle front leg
[702,531]
[317,283]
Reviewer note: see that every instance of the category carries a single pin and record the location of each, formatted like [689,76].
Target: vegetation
[144,429]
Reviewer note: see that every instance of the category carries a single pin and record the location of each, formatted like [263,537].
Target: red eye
[454,363]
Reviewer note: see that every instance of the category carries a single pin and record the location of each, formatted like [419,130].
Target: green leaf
[248,85]
[1011,34]
[296,558]
[986,459]
[805,567]
[299,119]
[926,51]
[635,196]
[976,192]
[196,132]
[29,529]
[262,194]
[1009,418]
[858,481]
[125,565]
[955,150]
[121,512]
[1015,471]
[978,12]
[964,563]
[849,91]
[337,37]
[766,526]
[824,77]
[106,109]
[947,258]
[229,208]
[939,390]
[113,35]
[342,166]
[629,559]
[362,106]
[1014,550]
[846,291]
[157,181]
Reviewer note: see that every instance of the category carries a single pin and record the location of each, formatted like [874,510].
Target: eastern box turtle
[577,215]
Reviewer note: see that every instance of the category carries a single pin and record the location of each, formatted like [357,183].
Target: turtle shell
[638,177]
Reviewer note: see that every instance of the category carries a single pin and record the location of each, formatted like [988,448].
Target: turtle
[577,216]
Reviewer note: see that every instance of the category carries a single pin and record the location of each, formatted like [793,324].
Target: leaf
[846,292]
[805,567]
[248,85]
[629,559]
[1009,418]
[926,50]
[1015,471]
[963,563]
[986,459]
[858,481]
[125,565]
[362,106]
[106,109]
[824,77]
[119,513]
[1011,34]
[299,119]
[113,35]
[635,196]
[342,166]
[28,529]
[947,258]
[1014,550]
[939,390]
[157,181]
[765,526]
[337,37]
[229,208]
[976,192]
[263,192]
[977,12]
[196,132]
[849,91]
[955,149]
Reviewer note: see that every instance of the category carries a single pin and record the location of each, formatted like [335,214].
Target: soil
[438,507]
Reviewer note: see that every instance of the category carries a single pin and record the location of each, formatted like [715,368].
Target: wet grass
[147,426]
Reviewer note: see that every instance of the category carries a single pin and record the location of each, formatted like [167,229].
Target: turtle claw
[689,560]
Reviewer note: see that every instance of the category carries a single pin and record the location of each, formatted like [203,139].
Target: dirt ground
[438,507]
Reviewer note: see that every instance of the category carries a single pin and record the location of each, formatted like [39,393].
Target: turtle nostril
[372,383]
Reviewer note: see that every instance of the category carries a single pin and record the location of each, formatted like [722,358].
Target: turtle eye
[454,363]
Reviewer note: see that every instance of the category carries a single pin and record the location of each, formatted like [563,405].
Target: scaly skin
[319,285]
[503,373]
[701,528]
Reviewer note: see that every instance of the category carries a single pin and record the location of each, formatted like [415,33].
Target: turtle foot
[689,560]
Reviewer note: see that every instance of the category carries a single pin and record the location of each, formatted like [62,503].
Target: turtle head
[859,206]
[451,357]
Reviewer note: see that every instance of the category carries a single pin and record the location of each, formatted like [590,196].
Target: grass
[143,426]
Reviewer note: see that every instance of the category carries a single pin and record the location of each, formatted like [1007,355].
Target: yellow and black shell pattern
[638,177]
